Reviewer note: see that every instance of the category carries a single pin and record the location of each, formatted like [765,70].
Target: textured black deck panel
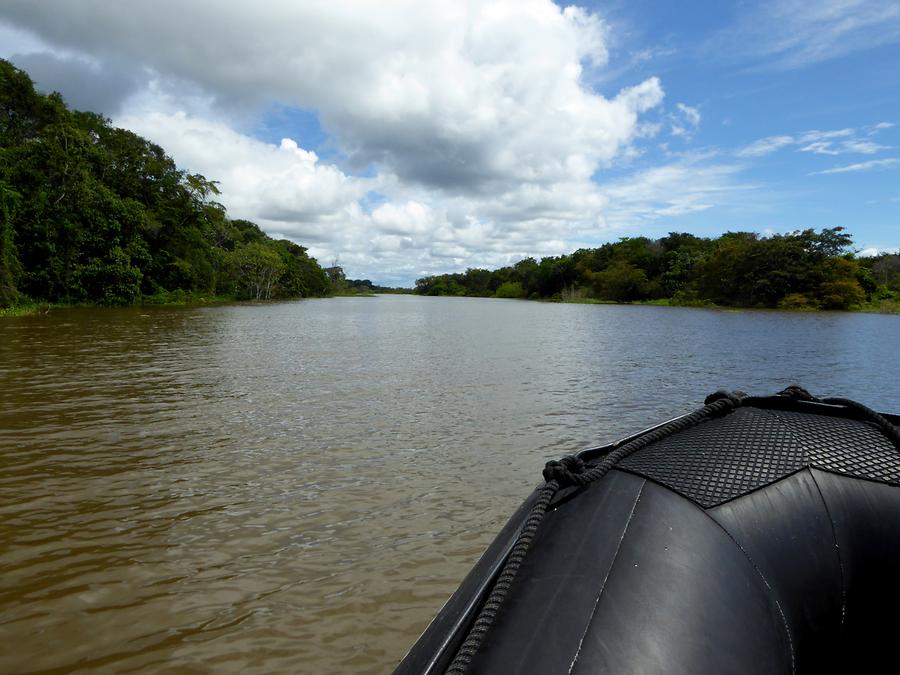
[843,446]
[728,457]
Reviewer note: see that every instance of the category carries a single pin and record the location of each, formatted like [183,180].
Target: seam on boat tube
[837,547]
[774,596]
[606,578]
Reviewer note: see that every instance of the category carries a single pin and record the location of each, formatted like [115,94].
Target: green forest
[90,213]
[799,270]
[94,214]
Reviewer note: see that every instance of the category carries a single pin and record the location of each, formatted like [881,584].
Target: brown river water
[298,487]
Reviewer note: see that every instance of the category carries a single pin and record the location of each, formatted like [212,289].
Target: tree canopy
[805,269]
[93,213]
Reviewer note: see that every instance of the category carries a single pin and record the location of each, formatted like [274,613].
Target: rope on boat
[572,471]
[869,415]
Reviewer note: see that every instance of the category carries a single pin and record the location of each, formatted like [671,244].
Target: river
[299,486]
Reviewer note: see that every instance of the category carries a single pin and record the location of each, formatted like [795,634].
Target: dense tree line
[92,213]
[799,270]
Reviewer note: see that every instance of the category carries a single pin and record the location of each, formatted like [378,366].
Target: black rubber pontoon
[756,535]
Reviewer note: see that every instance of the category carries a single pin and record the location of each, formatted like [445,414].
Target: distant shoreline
[38,308]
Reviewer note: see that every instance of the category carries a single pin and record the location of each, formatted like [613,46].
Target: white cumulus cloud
[458,134]
[283,187]
[461,96]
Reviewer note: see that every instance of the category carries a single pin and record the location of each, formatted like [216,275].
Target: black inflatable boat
[755,535]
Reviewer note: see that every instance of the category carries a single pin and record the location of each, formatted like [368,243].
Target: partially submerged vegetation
[805,270]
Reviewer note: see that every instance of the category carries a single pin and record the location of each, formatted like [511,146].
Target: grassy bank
[184,299]
[171,299]
[351,294]
[181,298]
[882,307]
[28,307]
[873,307]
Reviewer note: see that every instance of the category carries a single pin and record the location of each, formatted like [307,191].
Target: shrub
[798,302]
[841,294]
[510,289]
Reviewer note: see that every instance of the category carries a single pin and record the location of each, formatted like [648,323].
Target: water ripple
[299,486]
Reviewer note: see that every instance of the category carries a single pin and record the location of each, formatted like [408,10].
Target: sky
[400,139]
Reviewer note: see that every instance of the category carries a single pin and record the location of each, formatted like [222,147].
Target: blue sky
[746,90]
[403,143]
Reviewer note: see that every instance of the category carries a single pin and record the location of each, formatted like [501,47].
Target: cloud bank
[464,135]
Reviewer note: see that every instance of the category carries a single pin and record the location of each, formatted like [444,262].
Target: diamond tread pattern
[727,457]
[844,446]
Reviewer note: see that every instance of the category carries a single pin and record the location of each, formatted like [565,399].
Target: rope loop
[564,470]
[890,430]
[733,396]
[798,393]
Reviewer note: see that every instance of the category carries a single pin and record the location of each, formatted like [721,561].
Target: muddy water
[298,487]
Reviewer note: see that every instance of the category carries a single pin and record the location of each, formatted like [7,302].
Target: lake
[299,486]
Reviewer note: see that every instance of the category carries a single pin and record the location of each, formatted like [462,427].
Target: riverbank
[873,307]
[174,299]
[181,299]
[881,307]
[171,299]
